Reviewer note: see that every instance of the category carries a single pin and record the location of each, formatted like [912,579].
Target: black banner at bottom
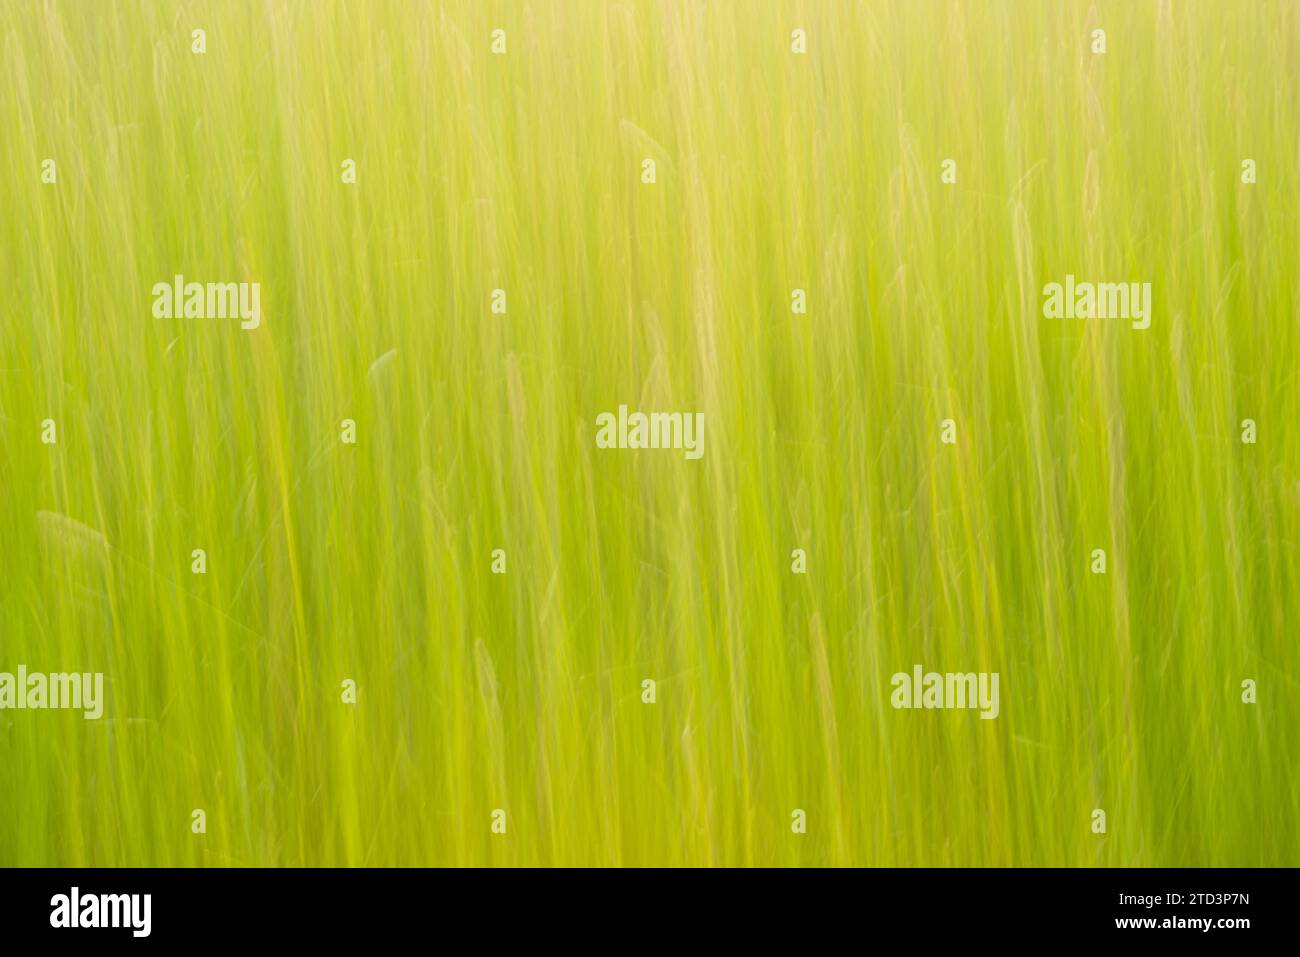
[616,908]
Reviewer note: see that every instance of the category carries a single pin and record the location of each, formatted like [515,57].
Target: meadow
[496,586]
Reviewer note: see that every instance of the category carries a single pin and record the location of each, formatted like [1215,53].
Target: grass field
[475,431]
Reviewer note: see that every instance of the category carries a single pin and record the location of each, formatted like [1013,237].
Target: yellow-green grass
[476,431]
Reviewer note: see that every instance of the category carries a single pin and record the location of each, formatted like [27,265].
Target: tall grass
[476,431]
